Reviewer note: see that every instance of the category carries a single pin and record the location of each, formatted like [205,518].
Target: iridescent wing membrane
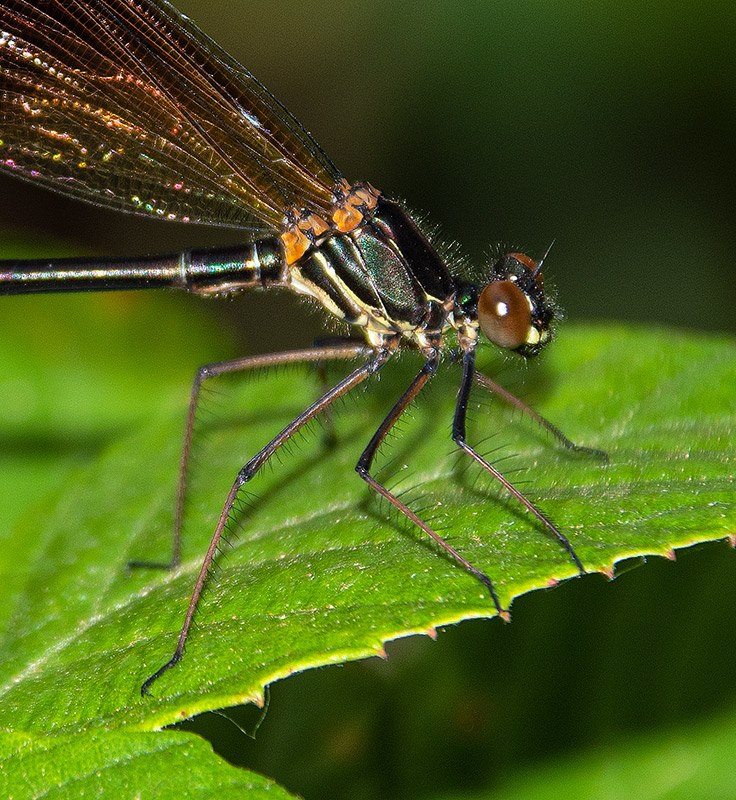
[132,107]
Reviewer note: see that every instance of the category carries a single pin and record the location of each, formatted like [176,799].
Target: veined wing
[128,105]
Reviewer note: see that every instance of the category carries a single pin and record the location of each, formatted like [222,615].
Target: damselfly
[126,104]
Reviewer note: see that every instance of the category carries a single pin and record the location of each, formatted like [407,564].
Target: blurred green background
[606,126]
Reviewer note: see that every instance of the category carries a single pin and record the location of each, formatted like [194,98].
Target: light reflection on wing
[129,106]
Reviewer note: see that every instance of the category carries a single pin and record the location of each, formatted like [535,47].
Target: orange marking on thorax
[348,215]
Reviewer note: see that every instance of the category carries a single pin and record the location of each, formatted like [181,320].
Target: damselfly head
[512,309]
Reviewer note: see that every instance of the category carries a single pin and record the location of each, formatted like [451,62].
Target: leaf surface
[320,571]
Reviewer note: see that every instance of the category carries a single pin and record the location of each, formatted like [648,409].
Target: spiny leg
[330,437]
[319,354]
[458,436]
[254,465]
[492,386]
[366,460]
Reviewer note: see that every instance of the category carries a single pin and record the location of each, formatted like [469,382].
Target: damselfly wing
[128,105]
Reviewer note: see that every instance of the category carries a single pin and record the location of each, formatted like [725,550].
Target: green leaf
[124,765]
[321,572]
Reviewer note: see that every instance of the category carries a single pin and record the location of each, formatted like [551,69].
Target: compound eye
[504,314]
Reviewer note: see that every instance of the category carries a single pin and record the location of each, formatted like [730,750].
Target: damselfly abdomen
[126,104]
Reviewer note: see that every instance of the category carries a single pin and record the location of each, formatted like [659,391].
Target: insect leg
[366,460]
[458,436]
[351,380]
[319,354]
[330,437]
[504,394]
